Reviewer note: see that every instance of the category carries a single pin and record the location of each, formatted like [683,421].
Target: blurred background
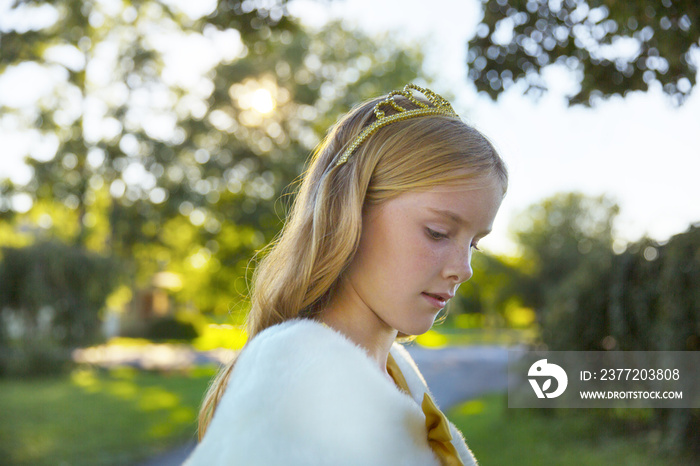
[149,149]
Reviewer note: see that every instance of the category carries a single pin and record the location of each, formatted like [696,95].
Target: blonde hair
[302,267]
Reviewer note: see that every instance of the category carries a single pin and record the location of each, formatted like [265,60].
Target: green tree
[612,47]
[644,299]
[654,306]
[567,239]
[497,283]
[113,90]
[50,295]
[252,156]
[589,299]
[654,295]
[193,194]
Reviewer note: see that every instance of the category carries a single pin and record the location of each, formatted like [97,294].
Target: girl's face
[415,251]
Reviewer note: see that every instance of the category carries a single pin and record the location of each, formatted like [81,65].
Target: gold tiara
[440,107]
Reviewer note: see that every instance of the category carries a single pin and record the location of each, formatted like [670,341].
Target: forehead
[476,203]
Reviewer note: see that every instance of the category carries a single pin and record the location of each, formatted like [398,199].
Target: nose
[458,268]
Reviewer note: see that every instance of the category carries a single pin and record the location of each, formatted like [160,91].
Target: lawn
[117,417]
[98,417]
[498,435]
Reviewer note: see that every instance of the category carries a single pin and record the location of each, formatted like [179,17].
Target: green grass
[98,417]
[122,416]
[441,336]
[498,435]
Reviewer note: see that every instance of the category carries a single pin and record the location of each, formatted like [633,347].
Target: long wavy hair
[299,271]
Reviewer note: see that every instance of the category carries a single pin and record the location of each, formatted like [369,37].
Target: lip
[444,296]
[438,300]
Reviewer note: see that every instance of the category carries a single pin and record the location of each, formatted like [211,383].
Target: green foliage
[590,299]
[495,283]
[54,292]
[50,298]
[169,328]
[655,298]
[645,299]
[566,245]
[568,239]
[33,359]
[612,46]
[198,198]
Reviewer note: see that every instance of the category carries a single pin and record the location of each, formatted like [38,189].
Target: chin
[417,327]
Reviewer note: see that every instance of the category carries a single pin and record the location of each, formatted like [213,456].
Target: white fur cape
[302,394]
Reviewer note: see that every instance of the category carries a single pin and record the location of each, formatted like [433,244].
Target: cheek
[416,256]
[398,257]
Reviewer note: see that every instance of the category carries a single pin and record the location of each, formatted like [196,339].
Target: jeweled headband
[440,107]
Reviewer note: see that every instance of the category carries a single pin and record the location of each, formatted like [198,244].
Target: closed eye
[436,235]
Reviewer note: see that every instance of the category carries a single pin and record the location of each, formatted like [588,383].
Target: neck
[353,318]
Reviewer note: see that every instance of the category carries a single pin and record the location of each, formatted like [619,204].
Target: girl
[379,239]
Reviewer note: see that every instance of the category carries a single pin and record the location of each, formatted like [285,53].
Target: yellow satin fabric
[436,424]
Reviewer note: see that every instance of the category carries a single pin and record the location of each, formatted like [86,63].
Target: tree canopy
[612,46]
[165,138]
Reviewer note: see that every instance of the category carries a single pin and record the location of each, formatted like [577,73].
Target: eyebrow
[455,218]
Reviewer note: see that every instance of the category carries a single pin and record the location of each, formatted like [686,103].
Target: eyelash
[437,236]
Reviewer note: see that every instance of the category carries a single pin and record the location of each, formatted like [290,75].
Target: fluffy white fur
[302,394]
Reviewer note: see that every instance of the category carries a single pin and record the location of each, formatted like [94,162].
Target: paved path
[453,374]
[457,374]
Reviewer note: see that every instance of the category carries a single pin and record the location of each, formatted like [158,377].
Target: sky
[640,150]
